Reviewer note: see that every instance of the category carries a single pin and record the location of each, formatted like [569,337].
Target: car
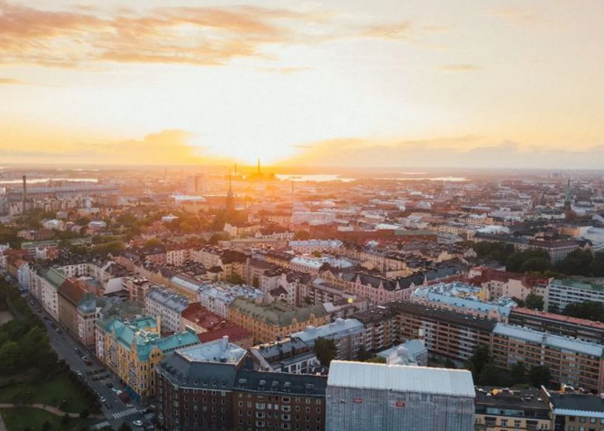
[103,399]
[137,423]
[109,385]
[108,405]
[75,349]
[59,331]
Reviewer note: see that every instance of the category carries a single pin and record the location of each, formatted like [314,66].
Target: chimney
[224,343]
[24,194]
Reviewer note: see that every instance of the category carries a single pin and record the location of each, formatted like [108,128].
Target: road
[66,346]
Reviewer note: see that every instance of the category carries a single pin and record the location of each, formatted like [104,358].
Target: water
[316,178]
[45,180]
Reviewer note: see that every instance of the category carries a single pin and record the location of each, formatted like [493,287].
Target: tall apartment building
[363,396]
[347,334]
[206,388]
[574,411]
[167,306]
[443,331]
[558,324]
[573,362]
[77,311]
[560,293]
[380,328]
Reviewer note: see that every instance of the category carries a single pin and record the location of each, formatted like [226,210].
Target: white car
[103,399]
[137,423]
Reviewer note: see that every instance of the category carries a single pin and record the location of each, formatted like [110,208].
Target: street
[66,346]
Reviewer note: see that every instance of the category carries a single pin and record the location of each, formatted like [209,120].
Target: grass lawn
[50,392]
[20,419]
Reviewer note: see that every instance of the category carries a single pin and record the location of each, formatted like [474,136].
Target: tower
[24,203]
[567,199]
[230,199]
[258,166]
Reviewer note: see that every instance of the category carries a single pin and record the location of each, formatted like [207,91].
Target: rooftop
[221,351]
[558,341]
[401,378]
[503,398]
[168,299]
[275,315]
[558,317]
[574,404]
[337,329]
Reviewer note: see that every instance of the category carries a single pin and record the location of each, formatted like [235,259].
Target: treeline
[24,344]
[578,262]
[486,373]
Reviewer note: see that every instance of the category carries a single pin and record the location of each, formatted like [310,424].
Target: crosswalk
[125,413]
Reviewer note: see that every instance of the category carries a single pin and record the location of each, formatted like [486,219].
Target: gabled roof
[53,276]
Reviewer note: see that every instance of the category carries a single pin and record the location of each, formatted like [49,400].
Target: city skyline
[375,84]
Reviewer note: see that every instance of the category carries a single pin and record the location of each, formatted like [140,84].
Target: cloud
[470,151]
[205,36]
[460,68]
[516,15]
[166,147]
[11,81]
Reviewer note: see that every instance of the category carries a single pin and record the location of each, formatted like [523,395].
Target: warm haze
[326,83]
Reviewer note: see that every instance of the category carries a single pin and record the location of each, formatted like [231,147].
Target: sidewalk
[2,426]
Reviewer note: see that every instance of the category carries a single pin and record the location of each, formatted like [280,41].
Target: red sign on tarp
[358,400]
[400,404]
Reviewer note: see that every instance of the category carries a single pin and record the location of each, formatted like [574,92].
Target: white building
[346,333]
[560,293]
[167,306]
[365,396]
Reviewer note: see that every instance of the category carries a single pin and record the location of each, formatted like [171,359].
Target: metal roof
[401,378]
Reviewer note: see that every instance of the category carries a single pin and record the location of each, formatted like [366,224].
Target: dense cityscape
[269,215]
[239,298]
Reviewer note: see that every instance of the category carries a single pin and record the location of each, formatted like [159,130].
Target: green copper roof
[54,277]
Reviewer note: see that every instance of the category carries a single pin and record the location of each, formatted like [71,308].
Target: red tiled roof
[234,332]
[72,291]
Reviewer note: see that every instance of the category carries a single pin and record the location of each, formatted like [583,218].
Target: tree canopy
[326,350]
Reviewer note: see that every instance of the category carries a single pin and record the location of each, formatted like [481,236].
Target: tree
[47,425]
[539,375]
[590,310]
[518,373]
[153,242]
[65,420]
[326,350]
[537,264]
[450,364]
[491,375]
[479,359]
[256,282]
[534,301]
[9,356]
[124,427]
[84,414]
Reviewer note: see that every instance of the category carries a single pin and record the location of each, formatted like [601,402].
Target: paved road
[65,347]
[2,425]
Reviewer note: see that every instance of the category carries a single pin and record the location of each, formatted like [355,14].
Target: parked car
[137,423]
[109,385]
[108,405]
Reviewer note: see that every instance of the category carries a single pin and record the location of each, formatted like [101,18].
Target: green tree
[65,420]
[479,359]
[154,242]
[9,357]
[534,301]
[536,264]
[539,375]
[518,373]
[591,310]
[46,426]
[124,427]
[84,414]
[326,350]
[450,364]
[490,375]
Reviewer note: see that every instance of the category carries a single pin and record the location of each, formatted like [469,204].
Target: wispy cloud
[460,68]
[206,36]
[516,15]
[11,81]
[286,70]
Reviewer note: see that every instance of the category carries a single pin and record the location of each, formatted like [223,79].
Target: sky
[360,83]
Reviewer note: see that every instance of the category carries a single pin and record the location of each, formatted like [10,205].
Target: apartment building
[138,287]
[444,332]
[347,334]
[502,409]
[206,387]
[574,411]
[380,328]
[77,311]
[167,307]
[558,324]
[277,320]
[217,297]
[291,355]
[573,362]
[133,348]
[560,293]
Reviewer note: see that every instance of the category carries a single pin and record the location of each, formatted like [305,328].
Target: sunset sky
[497,83]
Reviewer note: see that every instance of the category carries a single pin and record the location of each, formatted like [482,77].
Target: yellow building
[267,322]
[132,349]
